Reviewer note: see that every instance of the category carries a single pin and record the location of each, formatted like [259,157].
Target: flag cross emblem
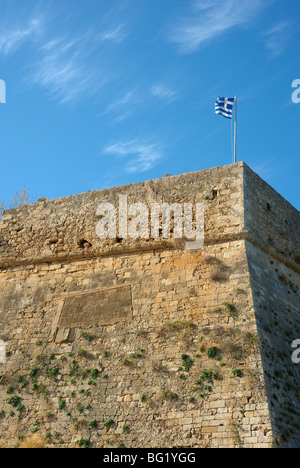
[224,106]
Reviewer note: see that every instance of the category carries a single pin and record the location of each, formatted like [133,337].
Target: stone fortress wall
[141,342]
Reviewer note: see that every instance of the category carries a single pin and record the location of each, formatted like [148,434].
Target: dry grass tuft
[34,441]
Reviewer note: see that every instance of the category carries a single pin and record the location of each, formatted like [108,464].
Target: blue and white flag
[224,106]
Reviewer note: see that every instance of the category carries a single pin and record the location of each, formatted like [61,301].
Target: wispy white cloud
[212,18]
[12,39]
[127,98]
[277,38]
[164,92]
[121,108]
[66,69]
[63,71]
[117,34]
[139,156]
[67,63]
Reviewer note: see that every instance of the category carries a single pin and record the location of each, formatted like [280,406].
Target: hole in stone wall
[84,244]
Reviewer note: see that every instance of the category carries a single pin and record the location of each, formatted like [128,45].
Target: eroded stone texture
[174,347]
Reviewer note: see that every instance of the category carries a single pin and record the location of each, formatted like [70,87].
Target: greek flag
[224,106]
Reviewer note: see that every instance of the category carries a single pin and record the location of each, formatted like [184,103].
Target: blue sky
[102,93]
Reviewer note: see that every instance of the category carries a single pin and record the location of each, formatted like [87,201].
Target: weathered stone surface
[161,346]
[102,307]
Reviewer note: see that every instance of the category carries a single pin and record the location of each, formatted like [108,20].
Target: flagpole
[235,108]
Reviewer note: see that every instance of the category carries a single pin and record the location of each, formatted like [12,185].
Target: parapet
[237,204]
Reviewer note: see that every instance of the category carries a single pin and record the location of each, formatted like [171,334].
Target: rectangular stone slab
[100,307]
